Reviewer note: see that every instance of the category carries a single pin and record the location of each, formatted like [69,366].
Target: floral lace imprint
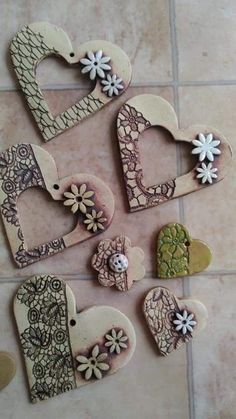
[64,350]
[131,124]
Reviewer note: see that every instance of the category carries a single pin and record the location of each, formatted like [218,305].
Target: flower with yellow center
[78,198]
[95,221]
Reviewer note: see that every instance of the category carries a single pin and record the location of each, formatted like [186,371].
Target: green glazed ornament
[178,254]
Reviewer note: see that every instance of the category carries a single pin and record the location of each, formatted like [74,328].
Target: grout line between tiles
[185,282]
[171,83]
[88,276]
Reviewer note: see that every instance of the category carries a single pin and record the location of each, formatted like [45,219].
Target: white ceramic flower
[184,322]
[206,146]
[112,85]
[94,364]
[207,173]
[116,341]
[95,221]
[78,198]
[95,64]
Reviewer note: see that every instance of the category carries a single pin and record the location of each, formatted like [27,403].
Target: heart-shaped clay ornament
[104,62]
[171,321]
[178,254]
[25,165]
[64,350]
[213,150]
[7,369]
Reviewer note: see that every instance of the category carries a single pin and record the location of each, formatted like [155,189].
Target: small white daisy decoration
[116,341]
[206,147]
[95,64]
[184,322]
[93,365]
[207,173]
[112,85]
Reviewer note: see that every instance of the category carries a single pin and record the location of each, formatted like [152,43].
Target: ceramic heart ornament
[24,166]
[172,321]
[213,152]
[104,63]
[178,254]
[7,369]
[63,349]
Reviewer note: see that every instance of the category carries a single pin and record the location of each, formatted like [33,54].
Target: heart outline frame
[53,333]
[38,40]
[142,112]
[23,166]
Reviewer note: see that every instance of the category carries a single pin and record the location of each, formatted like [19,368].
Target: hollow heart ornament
[24,166]
[178,254]
[64,350]
[104,62]
[7,369]
[144,111]
[171,321]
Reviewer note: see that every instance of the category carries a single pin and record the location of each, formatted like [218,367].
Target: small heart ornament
[178,254]
[24,166]
[172,322]
[63,349]
[105,63]
[7,369]
[211,148]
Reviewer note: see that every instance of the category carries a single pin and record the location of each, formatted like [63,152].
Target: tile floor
[183,50]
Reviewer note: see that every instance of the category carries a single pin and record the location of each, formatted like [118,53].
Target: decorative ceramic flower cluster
[98,361]
[96,64]
[80,199]
[207,148]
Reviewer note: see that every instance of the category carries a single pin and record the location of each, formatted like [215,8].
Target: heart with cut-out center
[172,321]
[144,111]
[24,166]
[7,369]
[178,254]
[104,62]
[63,349]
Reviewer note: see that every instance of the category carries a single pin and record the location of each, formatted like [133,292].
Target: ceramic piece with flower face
[63,349]
[172,321]
[118,263]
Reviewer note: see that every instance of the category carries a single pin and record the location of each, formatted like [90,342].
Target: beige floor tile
[137,391]
[144,35]
[206,39]
[214,350]
[210,213]
[91,147]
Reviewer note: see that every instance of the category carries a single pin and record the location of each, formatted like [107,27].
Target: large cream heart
[165,314]
[64,350]
[142,112]
[24,166]
[38,40]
